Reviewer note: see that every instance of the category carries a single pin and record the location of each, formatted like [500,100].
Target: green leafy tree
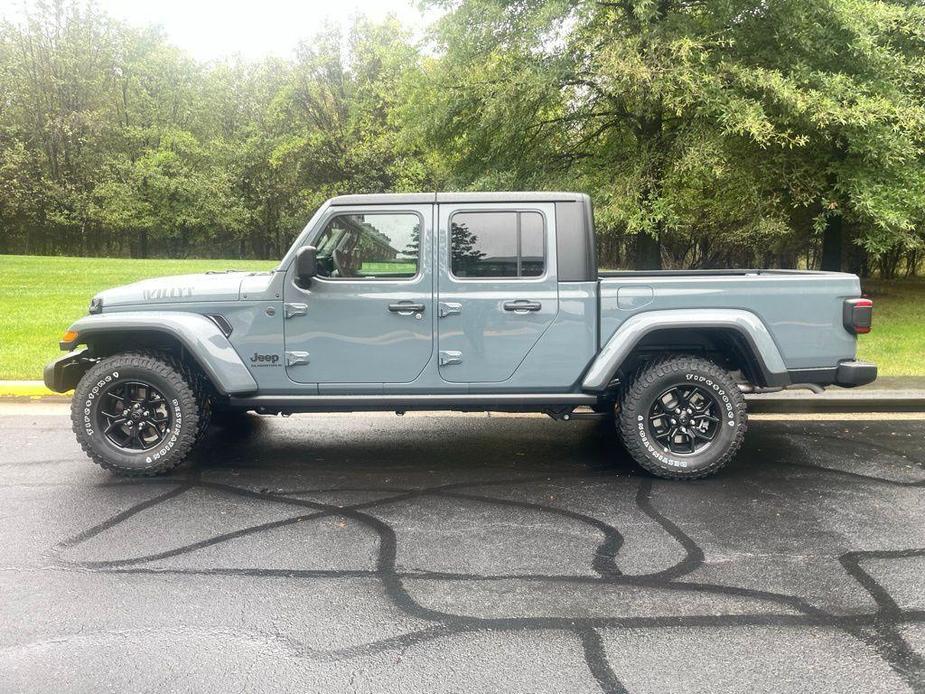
[710,132]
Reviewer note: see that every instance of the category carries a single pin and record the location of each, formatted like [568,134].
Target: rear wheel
[136,413]
[682,417]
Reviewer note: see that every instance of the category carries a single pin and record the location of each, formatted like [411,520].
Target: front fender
[634,329]
[198,335]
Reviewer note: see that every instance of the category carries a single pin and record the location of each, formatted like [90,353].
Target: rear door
[497,287]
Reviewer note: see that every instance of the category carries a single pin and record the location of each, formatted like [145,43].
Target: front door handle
[407,309]
[522,306]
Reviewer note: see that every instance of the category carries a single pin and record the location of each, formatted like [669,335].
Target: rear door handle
[406,309]
[522,306]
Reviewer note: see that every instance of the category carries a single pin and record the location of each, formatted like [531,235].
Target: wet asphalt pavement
[464,554]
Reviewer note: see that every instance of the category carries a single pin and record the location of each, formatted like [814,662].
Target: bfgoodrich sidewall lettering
[175,433]
[93,398]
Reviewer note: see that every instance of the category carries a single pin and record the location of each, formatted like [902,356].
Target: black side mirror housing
[305,265]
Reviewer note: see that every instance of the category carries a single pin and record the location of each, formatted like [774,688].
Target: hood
[208,286]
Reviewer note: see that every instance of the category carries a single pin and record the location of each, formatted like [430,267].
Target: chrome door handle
[406,309]
[521,305]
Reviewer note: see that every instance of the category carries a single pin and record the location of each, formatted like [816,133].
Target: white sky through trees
[213,29]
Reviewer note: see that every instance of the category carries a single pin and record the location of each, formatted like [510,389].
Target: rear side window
[497,244]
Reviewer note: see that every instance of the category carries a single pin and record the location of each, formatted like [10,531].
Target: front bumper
[855,373]
[62,374]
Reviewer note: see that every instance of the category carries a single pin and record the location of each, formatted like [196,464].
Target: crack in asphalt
[880,629]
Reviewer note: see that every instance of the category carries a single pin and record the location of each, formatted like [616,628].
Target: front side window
[370,246]
[497,244]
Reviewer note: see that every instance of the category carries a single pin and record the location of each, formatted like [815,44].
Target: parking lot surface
[464,554]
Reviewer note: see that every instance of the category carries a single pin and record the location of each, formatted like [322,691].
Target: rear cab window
[497,244]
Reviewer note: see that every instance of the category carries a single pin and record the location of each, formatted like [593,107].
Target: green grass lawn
[897,342]
[41,296]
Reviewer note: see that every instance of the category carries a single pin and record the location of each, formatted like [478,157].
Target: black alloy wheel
[134,416]
[684,419]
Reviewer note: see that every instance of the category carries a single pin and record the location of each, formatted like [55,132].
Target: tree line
[709,133]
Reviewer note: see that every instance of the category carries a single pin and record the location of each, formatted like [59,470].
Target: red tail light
[857,315]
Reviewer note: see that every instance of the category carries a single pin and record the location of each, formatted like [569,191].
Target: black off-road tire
[202,389]
[654,379]
[183,401]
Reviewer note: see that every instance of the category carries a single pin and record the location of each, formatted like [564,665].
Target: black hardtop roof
[425,198]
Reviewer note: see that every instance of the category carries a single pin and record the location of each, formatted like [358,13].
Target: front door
[498,290]
[367,316]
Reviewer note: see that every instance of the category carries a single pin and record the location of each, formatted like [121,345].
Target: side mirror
[305,265]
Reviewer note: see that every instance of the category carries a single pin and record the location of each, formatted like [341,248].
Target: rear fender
[633,330]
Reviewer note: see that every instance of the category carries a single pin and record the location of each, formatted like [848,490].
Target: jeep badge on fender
[264,359]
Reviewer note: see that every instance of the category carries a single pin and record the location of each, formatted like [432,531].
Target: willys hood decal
[217,286]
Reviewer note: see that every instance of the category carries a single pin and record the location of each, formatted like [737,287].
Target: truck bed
[801,309]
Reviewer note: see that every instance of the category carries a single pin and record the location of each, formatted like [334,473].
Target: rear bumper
[847,374]
[855,373]
[62,374]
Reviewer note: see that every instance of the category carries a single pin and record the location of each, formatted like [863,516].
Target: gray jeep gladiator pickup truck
[455,301]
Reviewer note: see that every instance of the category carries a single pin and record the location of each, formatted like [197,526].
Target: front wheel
[682,417]
[136,414]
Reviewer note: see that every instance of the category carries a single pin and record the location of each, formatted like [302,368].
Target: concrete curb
[860,401]
[784,402]
[29,390]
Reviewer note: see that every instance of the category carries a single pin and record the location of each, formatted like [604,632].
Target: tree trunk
[608,250]
[259,245]
[143,244]
[889,262]
[858,262]
[832,243]
[647,254]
